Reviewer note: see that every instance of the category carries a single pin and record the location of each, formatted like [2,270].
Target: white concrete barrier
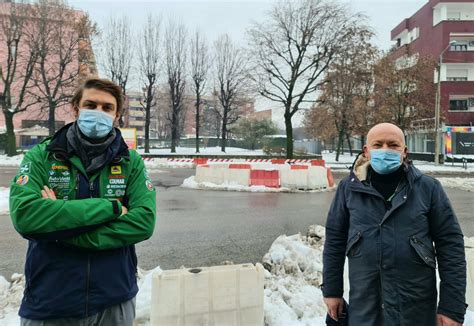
[294,179]
[237,176]
[317,177]
[219,295]
[212,173]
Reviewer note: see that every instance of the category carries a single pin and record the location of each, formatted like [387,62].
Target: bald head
[385,136]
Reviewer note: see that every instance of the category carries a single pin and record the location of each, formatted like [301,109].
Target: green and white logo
[25,168]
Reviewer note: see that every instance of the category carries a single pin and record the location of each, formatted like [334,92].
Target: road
[201,228]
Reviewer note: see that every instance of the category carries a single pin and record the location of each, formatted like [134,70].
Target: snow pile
[10,299]
[460,183]
[4,201]
[143,302]
[231,186]
[292,293]
[10,160]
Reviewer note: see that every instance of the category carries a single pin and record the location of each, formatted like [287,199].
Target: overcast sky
[214,17]
[234,16]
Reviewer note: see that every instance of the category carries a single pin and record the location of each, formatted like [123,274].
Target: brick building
[31,125]
[443,28]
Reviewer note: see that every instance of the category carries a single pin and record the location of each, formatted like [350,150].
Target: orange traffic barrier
[278,161]
[240,166]
[299,167]
[200,160]
[330,178]
[318,163]
[265,178]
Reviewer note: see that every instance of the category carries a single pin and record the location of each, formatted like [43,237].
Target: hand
[124,210]
[446,321]
[47,193]
[335,307]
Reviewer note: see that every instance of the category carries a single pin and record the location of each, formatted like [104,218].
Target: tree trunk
[349,143]
[340,144]
[174,130]
[224,131]
[198,99]
[362,141]
[51,121]
[289,136]
[10,148]
[147,128]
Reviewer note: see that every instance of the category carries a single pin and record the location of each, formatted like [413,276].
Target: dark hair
[102,85]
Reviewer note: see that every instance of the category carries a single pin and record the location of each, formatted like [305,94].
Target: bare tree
[62,39]
[293,50]
[404,91]
[200,64]
[17,68]
[118,52]
[175,52]
[149,64]
[231,73]
[349,78]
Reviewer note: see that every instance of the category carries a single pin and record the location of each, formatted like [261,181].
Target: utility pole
[438,105]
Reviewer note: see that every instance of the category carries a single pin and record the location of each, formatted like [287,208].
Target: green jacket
[91,223]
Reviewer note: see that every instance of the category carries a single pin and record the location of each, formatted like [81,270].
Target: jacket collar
[361,165]
[59,148]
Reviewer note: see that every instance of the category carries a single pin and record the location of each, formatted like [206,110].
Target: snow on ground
[10,161]
[460,183]
[4,206]
[203,151]
[293,274]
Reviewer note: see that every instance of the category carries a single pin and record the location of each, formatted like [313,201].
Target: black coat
[393,249]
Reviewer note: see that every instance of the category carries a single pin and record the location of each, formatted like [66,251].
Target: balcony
[458,12]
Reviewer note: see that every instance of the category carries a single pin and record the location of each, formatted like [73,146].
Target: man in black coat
[395,225]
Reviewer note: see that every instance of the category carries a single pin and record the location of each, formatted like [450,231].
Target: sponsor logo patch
[22,180]
[60,167]
[25,168]
[116,169]
[149,185]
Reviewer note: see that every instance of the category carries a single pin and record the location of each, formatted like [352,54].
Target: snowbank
[10,160]
[460,183]
[292,293]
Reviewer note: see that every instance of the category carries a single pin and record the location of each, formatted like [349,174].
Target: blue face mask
[94,123]
[385,161]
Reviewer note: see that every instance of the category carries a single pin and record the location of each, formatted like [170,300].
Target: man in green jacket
[83,199]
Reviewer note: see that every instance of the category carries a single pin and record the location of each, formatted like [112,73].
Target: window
[458,47]
[457,75]
[458,105]
[457,79]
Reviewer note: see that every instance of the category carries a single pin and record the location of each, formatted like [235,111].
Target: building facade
[31,126]
[443,29]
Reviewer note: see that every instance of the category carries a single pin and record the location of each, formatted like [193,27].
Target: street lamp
[438,104]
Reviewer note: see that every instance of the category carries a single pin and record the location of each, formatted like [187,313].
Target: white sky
[215,17]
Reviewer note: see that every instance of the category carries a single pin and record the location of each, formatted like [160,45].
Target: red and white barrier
[296,176]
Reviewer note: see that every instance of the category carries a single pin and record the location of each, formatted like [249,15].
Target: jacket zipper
[87,284]
[91,188]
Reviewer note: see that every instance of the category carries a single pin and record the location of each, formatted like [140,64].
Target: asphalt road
[201,228]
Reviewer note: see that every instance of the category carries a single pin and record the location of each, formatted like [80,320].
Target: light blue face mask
[94,123]
[385,161]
